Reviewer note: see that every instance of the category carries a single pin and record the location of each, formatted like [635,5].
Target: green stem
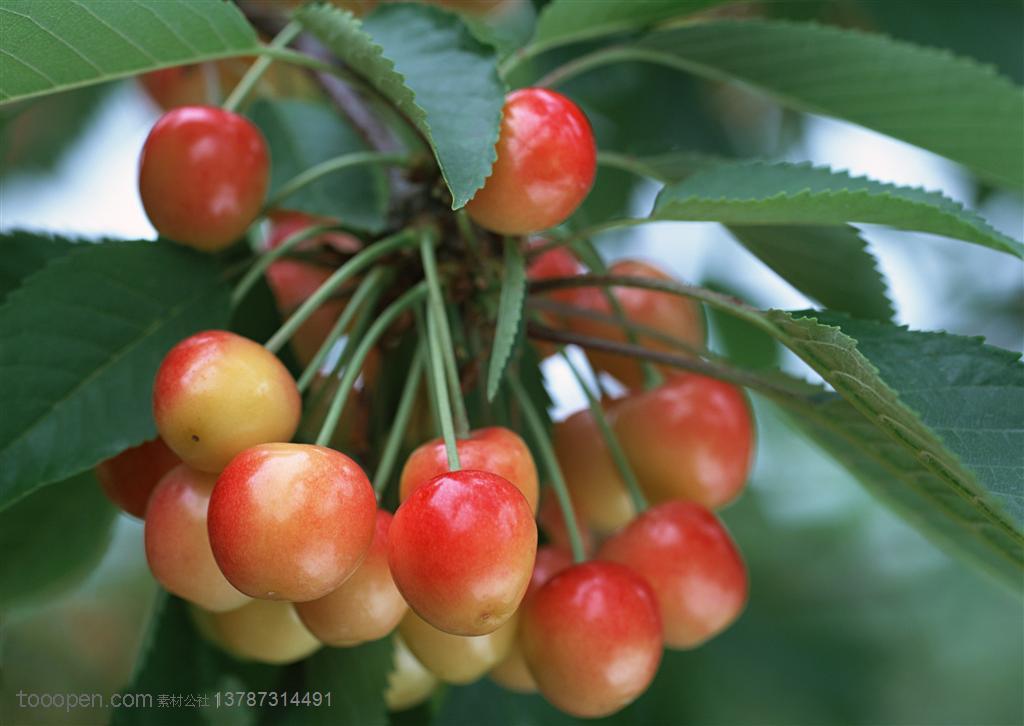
[355,365]
[550,462]
[257,69]
[351,268]
[266,259]
[296,58]
[435,408]
[389,455]
[330,166]
[610,439]
[441,393]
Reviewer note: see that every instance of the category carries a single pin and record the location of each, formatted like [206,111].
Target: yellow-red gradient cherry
[457,659]
[130,477]
[367,606]
[494,449]
[546,160]
[263,631]
[177,545]
[679,317]
[203,174]
[217,393]
[690,438]
[690,561]
[591,636]
[409,683]
[598,493]
[461,550]
[291,521]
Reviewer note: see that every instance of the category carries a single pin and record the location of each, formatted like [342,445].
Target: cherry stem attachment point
[259,67]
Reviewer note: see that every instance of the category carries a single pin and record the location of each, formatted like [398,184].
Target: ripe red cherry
[591,637]
[690,561]
[367,606]
[495,449]
[203,174]
[552,523]
[291,521]
[461,551]
[177,545]
[217,393]
[130,477]
[545,166]
[554,263]
[690,438]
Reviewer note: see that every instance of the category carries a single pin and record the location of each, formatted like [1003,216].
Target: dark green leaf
[56,45]
[356,678]
[510,315]
[435,72]
[22,253]
[506,27]
[82,340]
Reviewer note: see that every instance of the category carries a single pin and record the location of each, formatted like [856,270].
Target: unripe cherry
[461,551]
[130,477]
[263,631]
[367,606]
[591,637]
[546,161]
[177,546]
[203,174]
[457,659]
[409,683]
[690,561]
[495,449]
[217,393]
[291,521]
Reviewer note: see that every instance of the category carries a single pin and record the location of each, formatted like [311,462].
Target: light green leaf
[510,315]
[55,45]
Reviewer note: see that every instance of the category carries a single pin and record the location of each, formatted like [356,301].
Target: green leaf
[82,340]
[510,314]
[22,253]
[52,539]
[428,64]
[759,193]
[56,45]
[301,134]
[356,678]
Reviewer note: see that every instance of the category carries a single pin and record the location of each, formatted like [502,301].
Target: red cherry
[291,521]
[461,551]
[552,523]
[130,477]
[690,438]
[555,263]
[203,174]
[690,561]
[545,166]
[591,637]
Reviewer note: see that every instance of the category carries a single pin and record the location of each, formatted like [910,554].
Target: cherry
[291,521]
[217,393]
[203,174]
[551,521]
[409,683]
[495,449]
[690,438]
[263,631]
[367,606]
[690,561]
[591,637]
[457,659]
[130,477]
[461,551]
[177,546]
[546,161]
[554,263]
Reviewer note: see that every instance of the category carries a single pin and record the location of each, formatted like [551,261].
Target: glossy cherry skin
[203,175]
[217,393]
[177,546]
[291,521]
[679,317]
[592,638]
[457,659]
[409,682]
[545,166]
[130,477]
[461,551]
[494,449]
[262,631]
[690,561]
[367,606]
[690,438]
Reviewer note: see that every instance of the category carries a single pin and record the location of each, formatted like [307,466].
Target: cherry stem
[435,300]
[259,67]
[441,392]
[330,166]
[266,259]
[421,331]
[610,439]
[389,455]
[355,365]
[550,463]
[353,267]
